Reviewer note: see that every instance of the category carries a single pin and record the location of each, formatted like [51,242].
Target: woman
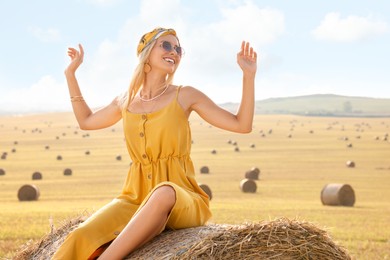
[160,190]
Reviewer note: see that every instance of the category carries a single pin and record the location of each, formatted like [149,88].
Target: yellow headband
[149,37]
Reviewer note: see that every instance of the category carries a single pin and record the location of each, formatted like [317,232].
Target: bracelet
[77,99]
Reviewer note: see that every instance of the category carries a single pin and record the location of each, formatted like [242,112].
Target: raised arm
[86,118]
[241,122]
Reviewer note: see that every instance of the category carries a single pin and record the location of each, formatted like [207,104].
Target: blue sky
[305,47]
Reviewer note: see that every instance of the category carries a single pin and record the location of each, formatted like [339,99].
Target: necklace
[153,98]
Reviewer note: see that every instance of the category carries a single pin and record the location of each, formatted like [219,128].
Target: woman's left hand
[247,58]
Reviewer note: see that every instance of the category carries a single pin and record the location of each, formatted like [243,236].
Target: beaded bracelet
[77,99]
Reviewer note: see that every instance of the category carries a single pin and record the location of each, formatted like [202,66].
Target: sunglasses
[167,46]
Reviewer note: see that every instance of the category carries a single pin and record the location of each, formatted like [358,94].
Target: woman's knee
[164,196]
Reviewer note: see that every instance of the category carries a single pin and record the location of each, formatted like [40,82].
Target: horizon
[340,48]
[40,112]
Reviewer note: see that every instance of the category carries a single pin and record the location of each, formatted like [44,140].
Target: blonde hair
[138,77]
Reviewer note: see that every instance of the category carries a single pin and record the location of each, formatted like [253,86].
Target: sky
[304,47]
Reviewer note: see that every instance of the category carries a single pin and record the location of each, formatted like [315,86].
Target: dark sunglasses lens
[179,50]
[167,46]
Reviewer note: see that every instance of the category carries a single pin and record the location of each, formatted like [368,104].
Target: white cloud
[46,94]
[45,35]
[210,60]
[349,29]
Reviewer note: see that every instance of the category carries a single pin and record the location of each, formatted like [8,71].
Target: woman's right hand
[76,58]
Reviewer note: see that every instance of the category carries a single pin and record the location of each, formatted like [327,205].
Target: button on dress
[159,145]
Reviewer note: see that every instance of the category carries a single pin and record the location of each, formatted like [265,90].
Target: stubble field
[297,157]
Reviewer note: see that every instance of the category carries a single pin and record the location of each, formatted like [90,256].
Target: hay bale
[119,158]
[28,192]
[68,172]
[204,169]
[336,194]
[350,164]
[59,157]
[2,172]
[277,239]
[37,176]
[248,186]
[206,189]
[252,174]
[213,151]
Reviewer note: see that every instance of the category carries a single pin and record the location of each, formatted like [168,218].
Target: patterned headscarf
[149,37]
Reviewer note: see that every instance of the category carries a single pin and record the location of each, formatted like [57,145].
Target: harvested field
[293,173]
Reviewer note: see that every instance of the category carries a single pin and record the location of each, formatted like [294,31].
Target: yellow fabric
[147,38]
[159,144]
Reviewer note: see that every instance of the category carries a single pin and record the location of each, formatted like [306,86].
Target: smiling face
[163,60]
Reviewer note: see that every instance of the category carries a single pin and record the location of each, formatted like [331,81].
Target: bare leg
[145,225]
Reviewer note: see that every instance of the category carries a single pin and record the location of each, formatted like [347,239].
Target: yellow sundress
[159,145]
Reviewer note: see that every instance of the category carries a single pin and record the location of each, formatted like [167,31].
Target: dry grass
[278,239]
[293,172]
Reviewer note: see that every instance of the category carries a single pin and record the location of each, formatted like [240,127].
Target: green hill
[322,105]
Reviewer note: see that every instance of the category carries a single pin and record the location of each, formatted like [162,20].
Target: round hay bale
[252,174]
[119,158]
[350,164]
[37,176]
[252,146]
[207,190]
[4,156]
[248,186]
[68,172]
[236,149]
[336,194]
[87,152]
[59,157]
[2,172]
[204,170]
[28,192]
[47,147]
[213,151]
[276,239]
[349,145]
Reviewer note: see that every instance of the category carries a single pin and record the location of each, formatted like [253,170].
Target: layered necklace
[146,100]
[155,97]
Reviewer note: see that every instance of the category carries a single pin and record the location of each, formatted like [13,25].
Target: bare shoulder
[188,96]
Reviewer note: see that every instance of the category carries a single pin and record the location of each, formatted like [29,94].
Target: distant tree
[347,107]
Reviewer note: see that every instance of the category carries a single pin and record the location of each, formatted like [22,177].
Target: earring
[147,67]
